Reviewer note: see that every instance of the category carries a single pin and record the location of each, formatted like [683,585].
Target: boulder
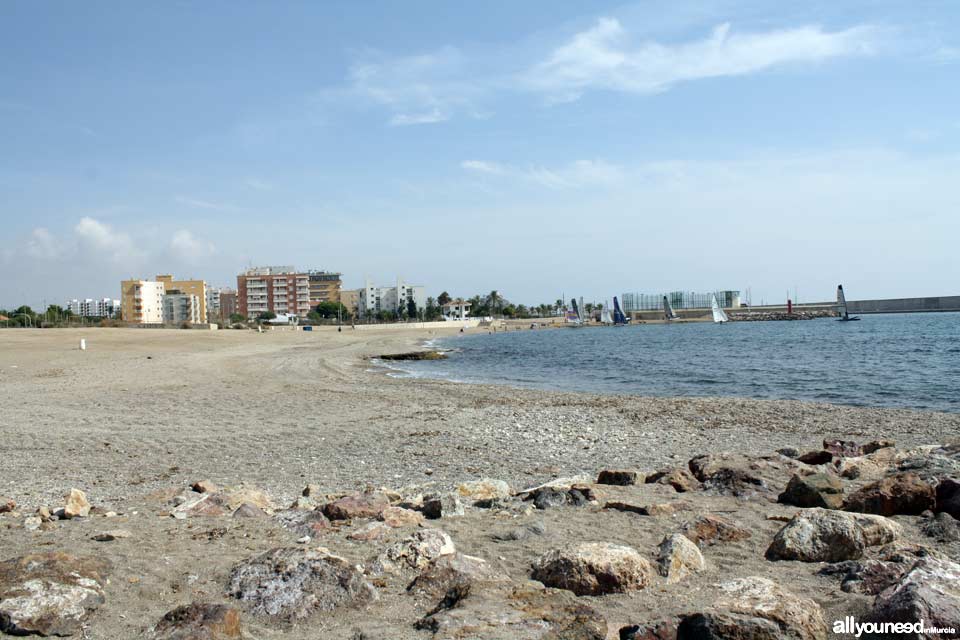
[201,504]
[948,497]
[872,575]
[825,535]
[522,612]
[902,494]
[519,533]
[876,445]
[199,621]
[680,479]
[715,625]
[416,551]
[454,570]
[303,523]
[660,630]
[619,477]
[862,468]
[76,505]
[818,490]
[708,530]
[442,505]
[484,489]
[734,482]
[842,448]
[50,593]
[366,505]
[205,486]
[370,531]
[816,457]
[549,497]
[594,568]
[789,452]
[396,517]
[7,504]
[678,557]
[290,584]
[796,618]
[704,466]
[929,591]
[942,528]
[247,510]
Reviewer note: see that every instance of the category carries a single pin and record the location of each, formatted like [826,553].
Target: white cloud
[430,117]
[259,185]
[100,238]
[43,245]
[603,57]
[197,203]
[189,248]
[481,166]
[578,174]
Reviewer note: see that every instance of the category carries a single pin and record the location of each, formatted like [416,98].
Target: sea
[892,360]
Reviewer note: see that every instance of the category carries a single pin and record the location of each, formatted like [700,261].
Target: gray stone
[816,490]
[948,497]
[415,552]
[441,505]
[929,591]
[678,557]
[199,621]
[454,570]
[594,568]
[824,535]
[942,528]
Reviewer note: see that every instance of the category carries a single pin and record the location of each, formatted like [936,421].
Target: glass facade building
[679,300]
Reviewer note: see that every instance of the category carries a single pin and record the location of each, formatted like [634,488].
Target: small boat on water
[842,306]
[605,317]
[619,318]
[574,315]
[668,313]
[719,315]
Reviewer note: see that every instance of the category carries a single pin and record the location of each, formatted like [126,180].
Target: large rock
[454,570]
[745,608]
[442,505]
[943,528]
[50,593]
[199,621]
[522,612]
[303,523]
[396,517]
[414,552]
[902,494]
[680,479]
[817,490]
[7,504]
[842,448]
[872,575]
[290,584]
[862,468]
[734,482]
[594,568]
[816,457]
[678,557]
[948,497]
[707,530]
[76,505]
[366,505]
[620,477]
[484,489]
[824,535]
[929,591]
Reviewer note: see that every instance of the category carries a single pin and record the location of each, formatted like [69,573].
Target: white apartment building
[374,299]
[179,308]
[142,301]
[90,308]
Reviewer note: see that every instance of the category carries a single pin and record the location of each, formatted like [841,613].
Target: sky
[536,148]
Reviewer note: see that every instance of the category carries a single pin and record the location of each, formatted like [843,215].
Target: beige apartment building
[190,287]
[350,299]
[324,287]
[141,301]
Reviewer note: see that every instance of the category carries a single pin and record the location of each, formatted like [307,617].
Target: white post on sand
[83,344]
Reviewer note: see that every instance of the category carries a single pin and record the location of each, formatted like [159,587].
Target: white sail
[668,309]
[841,302]
[605,317]
[719,315]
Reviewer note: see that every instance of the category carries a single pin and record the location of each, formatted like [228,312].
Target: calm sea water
[908,360]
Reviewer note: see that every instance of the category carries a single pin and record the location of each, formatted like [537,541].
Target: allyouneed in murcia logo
[849,625]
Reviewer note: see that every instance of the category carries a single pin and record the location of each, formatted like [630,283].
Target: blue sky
[536,148]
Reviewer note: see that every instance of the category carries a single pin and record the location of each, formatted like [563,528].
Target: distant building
[141,301]
[458,309]
[350,299]
[217,298]
[324,287]
[193,287]
[680,300]
[228,304]
[90,308]
[281,290]
[375,299]
[180,307]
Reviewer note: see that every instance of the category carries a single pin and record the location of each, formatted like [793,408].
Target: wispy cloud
[575,175]
[259,185]
[43,245]
[481,166]
[190,248]
[603,57]
[101,239]
[197,203]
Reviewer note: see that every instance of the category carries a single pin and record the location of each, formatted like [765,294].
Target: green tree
[237,317]
[411,308]
[431,312]
[266,315]
[443,298]
[328,311]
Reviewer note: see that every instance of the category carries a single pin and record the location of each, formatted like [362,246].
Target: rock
[414,552]
[708,530]
[789,452]
[661,630]
[863,468]
[549,497]
[929,591]
[519,533]
[367,505]
[304,523]
[50,593]
[678,557]
[942,528]
[948,497]
[484,489]
[369,531]
[824,535]
[873,575]
[311,491]
[816,458]
[234,498]
[522,612]
[902,494]
[290,584]
[680,479]
[247,510]
[796,618]
[76,505]
[205,486]
[842,448]
[876,445]
[619,477]
[734,482]
[397,517]
[454,570]
[594,568]
[110,536]
[32,523]
[817,490]
[651,509]
[305,503]
[199,621]
[7,504]
[201,504]
[557,483]
[726,626]
[446,505]
[704,466]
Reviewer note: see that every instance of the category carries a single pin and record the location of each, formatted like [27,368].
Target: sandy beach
[144,412]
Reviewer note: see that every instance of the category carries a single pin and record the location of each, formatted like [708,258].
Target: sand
[143,411]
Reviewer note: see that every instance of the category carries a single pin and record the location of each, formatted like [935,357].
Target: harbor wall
[905,305]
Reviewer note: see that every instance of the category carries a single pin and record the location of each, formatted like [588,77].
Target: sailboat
[842,306]
[574,317]
[618,317]
[605,317]
[719,315]
[668,311]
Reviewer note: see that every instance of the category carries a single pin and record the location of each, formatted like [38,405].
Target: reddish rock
[247,510]
[397,517]
[876,445]
[366,505]
[7,504]
[842,448]
[205,486]
[929,591]
[454,571]
[816,457]
[199,621]
[902,494]
[619,477]
[680,479]
[369,531]
[708,530]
